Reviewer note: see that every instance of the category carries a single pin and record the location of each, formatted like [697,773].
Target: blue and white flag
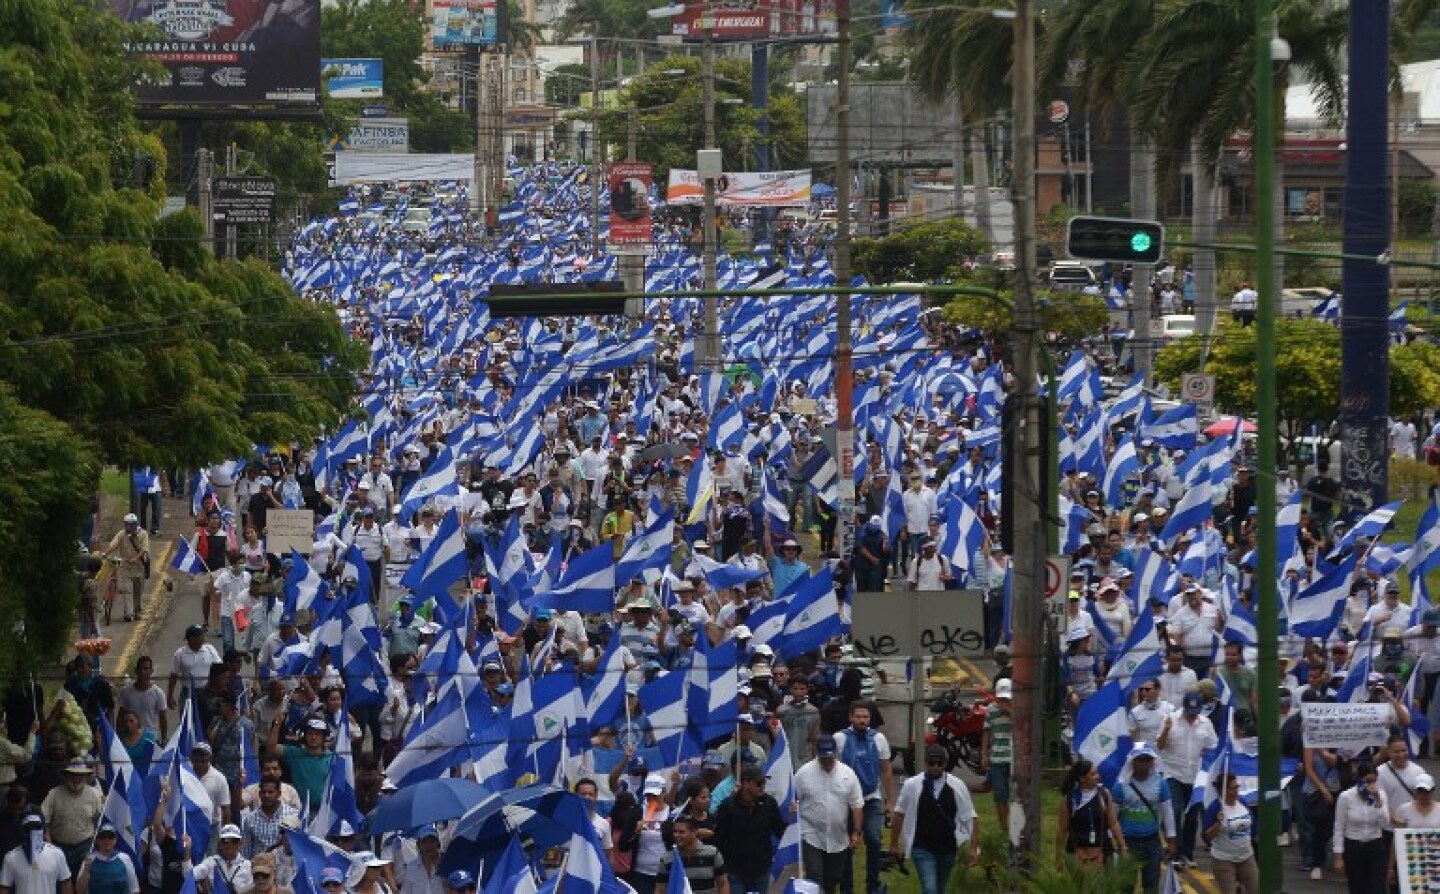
[1141,658]
[187,560]
[649,550]
[441,564]
[339,804]
[1102,730]
[780,785]
[586,585]
[1315,611]
[1123,465]
[663,700]
[604,690]
[963,536]
[439,481]
[713,690]
[813,615]
[1176,429]
[722,575]
[1372,525]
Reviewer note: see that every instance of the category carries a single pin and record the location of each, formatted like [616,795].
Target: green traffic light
[1140,242]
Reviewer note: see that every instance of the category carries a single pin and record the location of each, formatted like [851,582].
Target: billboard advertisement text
[230,52]
[630,203]
[354,78]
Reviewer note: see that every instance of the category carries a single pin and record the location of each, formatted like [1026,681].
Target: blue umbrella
[431,801]
[547,813]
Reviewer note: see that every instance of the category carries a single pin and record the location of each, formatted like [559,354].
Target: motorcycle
[958,727]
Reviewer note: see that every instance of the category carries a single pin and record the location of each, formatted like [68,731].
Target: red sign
[754,20]
[630,203]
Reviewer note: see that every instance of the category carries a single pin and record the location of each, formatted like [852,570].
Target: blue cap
[825,747]
[543,614]
[330,875]
[427,831]
[287,618]
[1193,702]
[637,766]
[460,879]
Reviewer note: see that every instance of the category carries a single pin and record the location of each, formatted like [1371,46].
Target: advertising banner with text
[773,189]
[232,52]
[630,203]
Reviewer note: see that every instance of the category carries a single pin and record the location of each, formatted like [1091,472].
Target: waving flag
[1176,429]
[459,724]
[713,691]
[604,690]
[1102,730]
[649,550]
[509,577]
[1141,658]
[439,481]
[303,584]
[1315,611]
[187,560]
[699,489]
[1123,465]
[1372,525]
[587,584]
[677,882]
[339,804]
[962,537]
[780,785]
[441,564]
[663,700]
[812,617]
[1194,509]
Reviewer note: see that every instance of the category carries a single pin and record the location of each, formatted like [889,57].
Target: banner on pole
[630,202]
[773,189]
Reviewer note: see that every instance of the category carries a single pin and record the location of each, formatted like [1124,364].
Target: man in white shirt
[930,571]
[382,489]
[1398,775]
[1243,303]
[1176,679]
[191,665]
[369,538]
[226,862]
[216,786]
[919,503]
[1148,716]
[830,805]
[43,872]
[1184,738]
[1192,627]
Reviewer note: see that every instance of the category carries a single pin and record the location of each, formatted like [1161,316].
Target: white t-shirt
[148,705]
[192,666]
[1397,784]
[1409,816]
[49,870]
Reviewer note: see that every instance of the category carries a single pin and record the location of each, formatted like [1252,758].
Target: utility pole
[596,172]
[711,341]
[473,61]
[844,372]
[202,185]
[1027,513]
[230,241]
[630,128]
[1267,596]
[501,86]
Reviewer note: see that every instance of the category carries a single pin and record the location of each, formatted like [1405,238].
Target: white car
[1302,301]
[1176,326]
[1072,276]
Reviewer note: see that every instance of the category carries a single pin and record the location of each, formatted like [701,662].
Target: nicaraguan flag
[1315,611]
[1102,730]
[587,584]
[187,560]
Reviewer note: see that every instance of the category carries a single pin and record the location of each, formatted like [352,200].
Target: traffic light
[1116,239]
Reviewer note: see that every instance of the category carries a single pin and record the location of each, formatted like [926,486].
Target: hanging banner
[772,189]
[375,135]
[630,203]
[232,52]
[385,167]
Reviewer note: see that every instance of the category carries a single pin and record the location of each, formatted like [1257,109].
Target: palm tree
[964,52]
[1187,111]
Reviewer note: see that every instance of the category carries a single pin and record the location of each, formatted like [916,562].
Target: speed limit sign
[1057,583]
[1198,388]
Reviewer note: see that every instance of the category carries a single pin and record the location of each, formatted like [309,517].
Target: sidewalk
[129,640]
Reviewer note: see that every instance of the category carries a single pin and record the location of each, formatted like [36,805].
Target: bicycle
[112,587]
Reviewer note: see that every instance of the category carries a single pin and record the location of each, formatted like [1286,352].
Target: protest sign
[1349,727]
[289,528]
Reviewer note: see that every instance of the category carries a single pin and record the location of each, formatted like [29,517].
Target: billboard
[630,203]
[354,78]
[773,189]
[890,124]
[242,200]
[456,24]
[228,52]
[375,135]
[755,19]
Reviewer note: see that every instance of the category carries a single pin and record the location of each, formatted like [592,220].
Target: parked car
[1177,326]
[1072,276]
[1302,301]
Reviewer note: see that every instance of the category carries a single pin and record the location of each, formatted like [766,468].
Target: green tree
[1414,378]
[925,252]
[47,477]
[670,116]
[1066,317]
[1307,371]
[963,48]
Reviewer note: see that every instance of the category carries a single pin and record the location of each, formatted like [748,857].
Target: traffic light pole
[844,372]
